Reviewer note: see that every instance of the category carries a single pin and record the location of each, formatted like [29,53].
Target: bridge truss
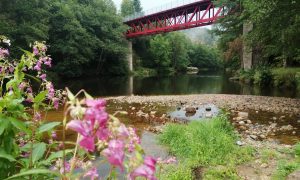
[195,14]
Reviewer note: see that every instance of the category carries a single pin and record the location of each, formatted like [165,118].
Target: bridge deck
[188,15]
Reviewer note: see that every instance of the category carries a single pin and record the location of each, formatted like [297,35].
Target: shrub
[246,76]
[262,76]
[286,77]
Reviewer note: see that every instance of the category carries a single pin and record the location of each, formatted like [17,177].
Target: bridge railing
[171,5]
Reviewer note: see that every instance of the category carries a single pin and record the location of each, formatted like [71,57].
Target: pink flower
[22,85]
[55,103]
[37,117]
[88,143]
[98,116]
[43,77]
[115,153]
[29,90]
[92,173]
[35,50]
[123,132]
[3,53]
[48,62]
[146,170]
[134,140]
[54,135]
[103,134]
[51,91]
[97,103]
[85,129]
[11,69]
[44,48]
[38,66]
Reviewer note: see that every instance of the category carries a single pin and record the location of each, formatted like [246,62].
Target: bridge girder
[197,14]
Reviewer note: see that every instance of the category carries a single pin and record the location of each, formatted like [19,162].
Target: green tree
[137,6]
[127,8]
[24,21]
[87,35]
[161,50]
[202,56]
[179,45]
[276,28]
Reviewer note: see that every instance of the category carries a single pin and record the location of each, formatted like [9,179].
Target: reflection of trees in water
[181,84]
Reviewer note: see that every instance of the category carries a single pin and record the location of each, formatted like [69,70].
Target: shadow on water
[202,83]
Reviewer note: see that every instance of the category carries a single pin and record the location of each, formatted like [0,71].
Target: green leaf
[4,155]
[40,97]
[34,172]
[38,152]
[48,127]
[3,125]
[19,125]
[56,155]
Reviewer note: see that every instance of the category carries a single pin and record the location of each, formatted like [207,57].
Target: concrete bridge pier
[129,56]
[247,51]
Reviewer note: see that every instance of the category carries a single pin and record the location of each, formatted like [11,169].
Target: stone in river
[190,110]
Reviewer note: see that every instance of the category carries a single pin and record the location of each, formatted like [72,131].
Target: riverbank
[229,102]
[269,126]
[275,77]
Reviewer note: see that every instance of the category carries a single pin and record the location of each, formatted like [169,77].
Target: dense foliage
[82,34]
[174,52]
[275,35]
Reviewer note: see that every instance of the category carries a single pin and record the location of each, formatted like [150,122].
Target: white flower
[7,41]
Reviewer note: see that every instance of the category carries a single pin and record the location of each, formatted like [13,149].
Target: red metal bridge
[179,15]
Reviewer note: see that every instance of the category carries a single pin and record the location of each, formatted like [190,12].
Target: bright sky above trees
[146,4]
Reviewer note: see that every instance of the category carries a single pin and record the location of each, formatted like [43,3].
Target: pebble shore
[230,102]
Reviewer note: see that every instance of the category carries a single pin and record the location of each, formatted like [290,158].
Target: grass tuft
[204,143]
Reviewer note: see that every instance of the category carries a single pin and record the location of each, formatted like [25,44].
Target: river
[202,83]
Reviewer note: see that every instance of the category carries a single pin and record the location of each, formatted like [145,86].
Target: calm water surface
[202,83]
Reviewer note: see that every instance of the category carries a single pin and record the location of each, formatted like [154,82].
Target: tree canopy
[81,34]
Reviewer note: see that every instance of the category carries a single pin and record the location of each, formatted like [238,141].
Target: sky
[147,4]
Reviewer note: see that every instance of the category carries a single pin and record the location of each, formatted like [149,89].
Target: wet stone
[191,113]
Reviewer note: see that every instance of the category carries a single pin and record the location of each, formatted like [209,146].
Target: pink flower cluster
[146,170]
[3,53]
[43,60]
[95,126]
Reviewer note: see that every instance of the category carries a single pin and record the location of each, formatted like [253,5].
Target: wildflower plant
[31,148]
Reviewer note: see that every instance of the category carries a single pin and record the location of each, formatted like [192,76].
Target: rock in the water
[190,110]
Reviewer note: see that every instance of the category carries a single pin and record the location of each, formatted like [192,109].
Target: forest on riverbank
[89,34]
